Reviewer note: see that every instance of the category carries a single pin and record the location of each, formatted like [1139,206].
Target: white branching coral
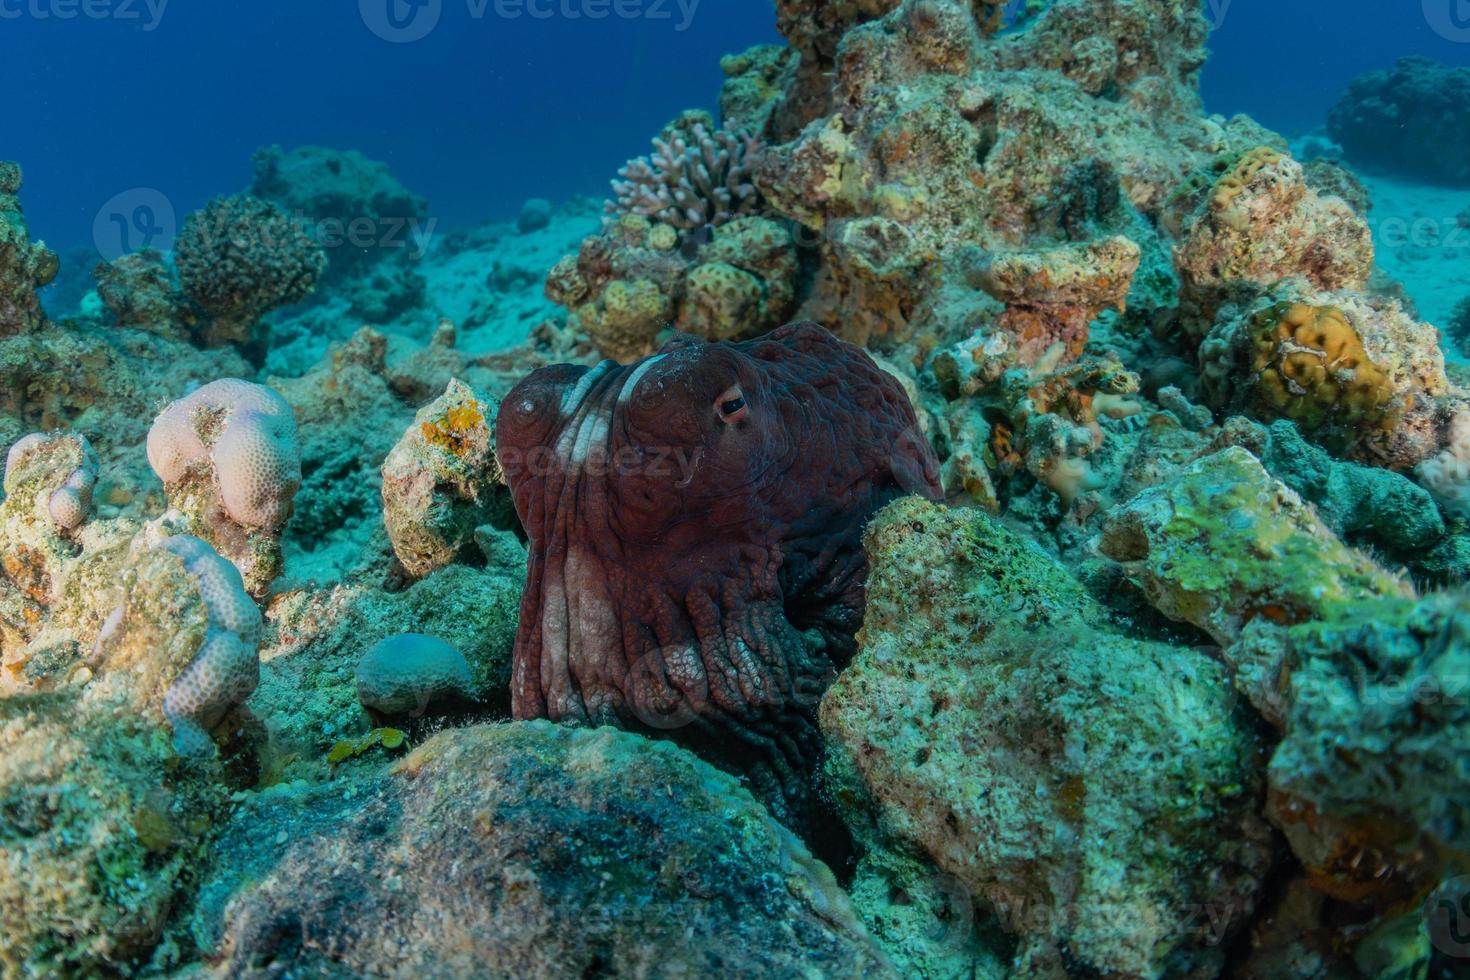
[696,177]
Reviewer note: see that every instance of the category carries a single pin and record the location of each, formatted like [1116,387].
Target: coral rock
[24,266]
[1224,544]
[1083,785]
[142,291]
[1261,223]
[533,851]
[1367,783]
[441,481]
[241,258]
[1388,119]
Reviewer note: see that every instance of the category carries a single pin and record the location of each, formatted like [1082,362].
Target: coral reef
[694,521]
[1387,118]
[25,266]
[241,258]
[405,674]
[230,461]
[441,481]
[1161,689]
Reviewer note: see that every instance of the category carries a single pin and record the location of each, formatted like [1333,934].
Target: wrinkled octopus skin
[695,521]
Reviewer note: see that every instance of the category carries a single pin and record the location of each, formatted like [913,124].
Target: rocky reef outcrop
[1386,118]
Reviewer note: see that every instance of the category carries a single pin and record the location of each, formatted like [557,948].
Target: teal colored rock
[534,851]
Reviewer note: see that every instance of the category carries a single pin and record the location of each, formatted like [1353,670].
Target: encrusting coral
[441,481]
[230,459]
[1356,373]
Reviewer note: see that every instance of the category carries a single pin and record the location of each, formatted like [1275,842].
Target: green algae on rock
[1224,543]
[1083,787]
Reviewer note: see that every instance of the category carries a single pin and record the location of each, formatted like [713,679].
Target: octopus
[695,526]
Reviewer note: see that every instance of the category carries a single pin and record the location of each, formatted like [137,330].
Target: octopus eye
[731,406]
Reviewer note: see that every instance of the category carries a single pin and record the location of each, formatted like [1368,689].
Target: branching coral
[696,177]
[240,258]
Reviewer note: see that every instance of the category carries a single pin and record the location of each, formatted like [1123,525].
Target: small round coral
[246,434]
[227,667]
[70,457]
[242,257]
[405,674]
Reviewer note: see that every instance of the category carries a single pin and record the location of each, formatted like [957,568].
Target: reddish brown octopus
[695,523]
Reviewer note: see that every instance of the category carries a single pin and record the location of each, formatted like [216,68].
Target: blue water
[488,108]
